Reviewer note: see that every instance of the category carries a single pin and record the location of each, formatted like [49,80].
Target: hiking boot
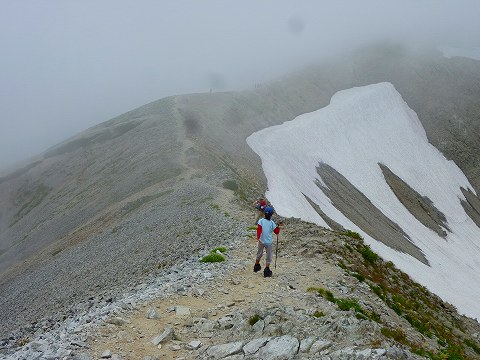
[267,272]
[256,268]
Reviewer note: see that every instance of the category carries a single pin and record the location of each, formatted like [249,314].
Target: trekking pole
[276,252]
[281,222]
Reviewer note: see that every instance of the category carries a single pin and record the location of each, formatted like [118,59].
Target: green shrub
[368,254]
[473,345]
[212,257]
[347,304]
[352,234]
[322,292]
[395,334]
[360,277]
[230,185]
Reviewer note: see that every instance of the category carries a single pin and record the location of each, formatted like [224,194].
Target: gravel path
[182,221]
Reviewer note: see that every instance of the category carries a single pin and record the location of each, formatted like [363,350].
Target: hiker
[260,205]
[265,228]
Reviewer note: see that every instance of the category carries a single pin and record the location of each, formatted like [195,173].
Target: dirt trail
[239,289]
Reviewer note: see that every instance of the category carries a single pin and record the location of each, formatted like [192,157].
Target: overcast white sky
[68,65]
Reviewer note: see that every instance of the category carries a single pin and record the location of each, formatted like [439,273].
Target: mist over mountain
[139,190]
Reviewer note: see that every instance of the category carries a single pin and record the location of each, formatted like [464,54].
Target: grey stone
[258,326]
[182,311]
[198,291]
[319,345]
[163,337]
[221,351]
[152,314]
[280,348]
[225,322]
[81,356]
[117,321]
[252,347]
[107,354]
[194,345]
[307,343]
[39,345]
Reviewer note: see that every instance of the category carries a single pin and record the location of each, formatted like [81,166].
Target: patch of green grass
[352,234]
[473,345]
[359,277]
[254,319]
[215,206]
[395,334]
[222,249]
[35,198]
[346,304]
[317,314]
[230,185]
[349,247]
[252,228]
[322,292]
[226,214]
[212,257]
[368,254]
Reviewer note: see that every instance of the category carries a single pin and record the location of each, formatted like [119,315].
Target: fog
[68,65]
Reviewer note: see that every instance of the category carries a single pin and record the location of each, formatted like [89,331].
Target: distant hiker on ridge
[265,228]
[260,205]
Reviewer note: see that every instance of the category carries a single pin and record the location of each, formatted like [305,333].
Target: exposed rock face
[360,210]
[420,206]
[472,205]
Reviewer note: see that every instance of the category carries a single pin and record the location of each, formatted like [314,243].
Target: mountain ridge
[113,186]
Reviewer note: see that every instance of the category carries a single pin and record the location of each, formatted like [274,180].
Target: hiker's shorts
[268,250]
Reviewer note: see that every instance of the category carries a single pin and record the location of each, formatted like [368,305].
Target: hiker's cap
[268,210]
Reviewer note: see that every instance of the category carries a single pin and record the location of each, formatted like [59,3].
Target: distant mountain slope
[81,177]
[81,191]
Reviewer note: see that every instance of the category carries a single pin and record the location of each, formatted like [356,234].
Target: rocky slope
[329,298]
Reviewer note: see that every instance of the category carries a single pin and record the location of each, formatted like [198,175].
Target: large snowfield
[360,128]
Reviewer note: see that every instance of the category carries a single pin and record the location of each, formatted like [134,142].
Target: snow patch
[361,128]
